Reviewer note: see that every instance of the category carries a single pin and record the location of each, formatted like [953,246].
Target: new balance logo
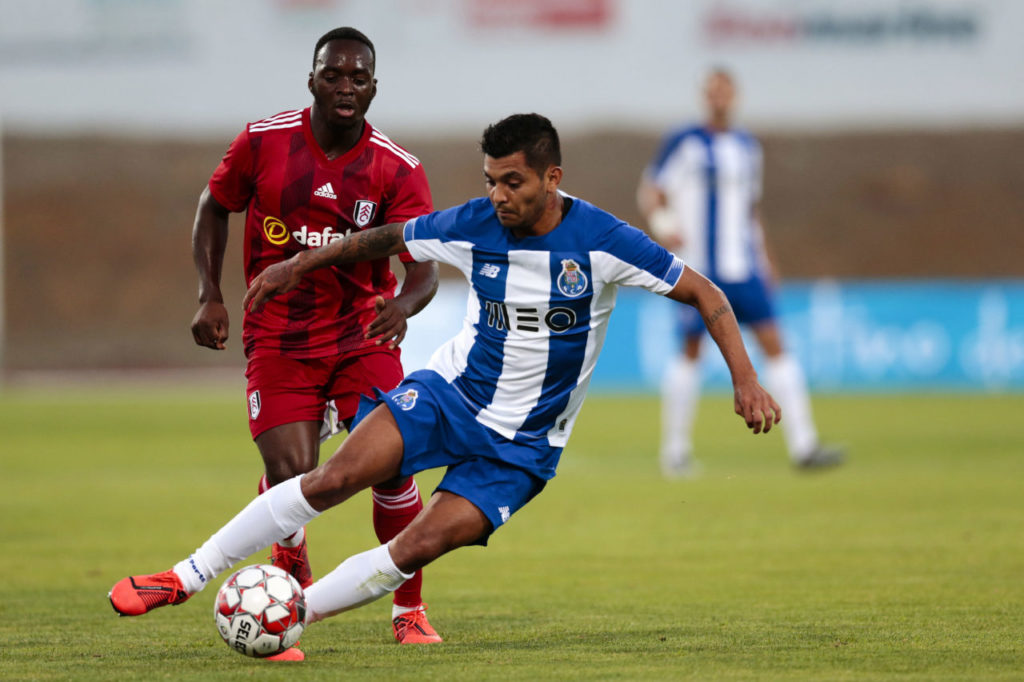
[490,270]
[325,191]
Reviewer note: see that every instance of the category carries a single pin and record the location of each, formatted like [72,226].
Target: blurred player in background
[305,179]
[497,402]
[701,197]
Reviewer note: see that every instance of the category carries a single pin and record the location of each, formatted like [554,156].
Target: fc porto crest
[571,281]
[406,399]
[364,212]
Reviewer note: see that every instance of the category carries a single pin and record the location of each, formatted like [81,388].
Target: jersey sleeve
[629,257]
[411,198]
[232,182]
[436,236]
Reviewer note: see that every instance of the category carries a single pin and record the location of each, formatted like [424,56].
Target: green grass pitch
[907,564]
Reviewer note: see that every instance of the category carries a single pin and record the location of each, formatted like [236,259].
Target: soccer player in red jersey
[306,178]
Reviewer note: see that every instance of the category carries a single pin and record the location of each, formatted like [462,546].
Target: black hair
[343,33]
[531,134]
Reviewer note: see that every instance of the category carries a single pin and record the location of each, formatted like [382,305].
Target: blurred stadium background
[893,133]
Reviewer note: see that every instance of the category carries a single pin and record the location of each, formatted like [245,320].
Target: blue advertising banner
[848,335]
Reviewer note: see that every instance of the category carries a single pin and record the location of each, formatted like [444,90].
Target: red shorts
[284,390]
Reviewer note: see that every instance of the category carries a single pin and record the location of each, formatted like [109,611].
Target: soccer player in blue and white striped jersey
[497,403]
[701,197]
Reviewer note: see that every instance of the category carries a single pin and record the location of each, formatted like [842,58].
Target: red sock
[393,510]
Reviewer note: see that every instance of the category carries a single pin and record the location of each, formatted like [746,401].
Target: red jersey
[295,199]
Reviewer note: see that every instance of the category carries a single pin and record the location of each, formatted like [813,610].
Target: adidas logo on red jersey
[325,191]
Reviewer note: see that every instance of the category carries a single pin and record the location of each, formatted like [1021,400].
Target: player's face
[342,82]
[519,195]
[720,95]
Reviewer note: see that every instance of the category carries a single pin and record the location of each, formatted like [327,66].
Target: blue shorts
[439,430]
[751,301]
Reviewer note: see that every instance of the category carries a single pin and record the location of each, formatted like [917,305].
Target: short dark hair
[343,33]
[531,134]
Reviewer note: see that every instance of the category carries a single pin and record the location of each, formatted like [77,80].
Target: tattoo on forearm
[713,317]
[376,240]
[369,244]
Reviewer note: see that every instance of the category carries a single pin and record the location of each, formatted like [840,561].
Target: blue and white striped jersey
[712,180]
[538,309]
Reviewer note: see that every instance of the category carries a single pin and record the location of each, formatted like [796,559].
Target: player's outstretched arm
[757,407]
[279,278]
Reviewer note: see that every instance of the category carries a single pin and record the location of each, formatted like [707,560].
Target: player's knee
[413,549]
[428,538]
[283,468]
[327,486]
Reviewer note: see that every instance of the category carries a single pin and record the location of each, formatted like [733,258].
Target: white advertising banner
[195,67]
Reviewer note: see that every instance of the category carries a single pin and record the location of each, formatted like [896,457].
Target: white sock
[397,610]
[680,390]
[293,540]
[275,514]
[358,580]
[785,380]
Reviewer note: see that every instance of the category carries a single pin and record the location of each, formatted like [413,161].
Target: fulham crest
[254,405]
[364,212]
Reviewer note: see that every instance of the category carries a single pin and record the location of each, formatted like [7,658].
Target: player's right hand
[276,279]
[757,407]
[210,325]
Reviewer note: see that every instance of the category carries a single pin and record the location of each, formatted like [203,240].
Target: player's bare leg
[468,524]
[371,454]
[289,450]
[446,523]
[785,379]
[449,521]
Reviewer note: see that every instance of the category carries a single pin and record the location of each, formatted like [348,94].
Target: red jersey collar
[345,158]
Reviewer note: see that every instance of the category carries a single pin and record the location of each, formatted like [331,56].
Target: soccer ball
[260,611]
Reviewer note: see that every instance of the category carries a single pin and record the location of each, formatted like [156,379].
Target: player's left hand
[390,324]
[756,406]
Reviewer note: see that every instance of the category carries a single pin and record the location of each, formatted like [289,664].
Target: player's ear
[553,176]
[309,83]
